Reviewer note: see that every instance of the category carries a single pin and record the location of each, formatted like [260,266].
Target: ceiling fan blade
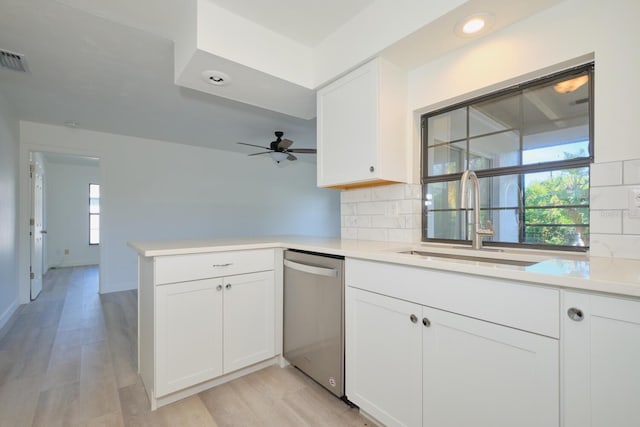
[303,150]
[263,152]
[252,145]
[291,157]
[285,143]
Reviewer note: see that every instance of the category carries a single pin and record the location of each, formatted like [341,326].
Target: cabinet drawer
[518,305]
[182,268]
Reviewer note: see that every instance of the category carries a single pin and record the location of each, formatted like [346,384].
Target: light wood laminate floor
[69,359]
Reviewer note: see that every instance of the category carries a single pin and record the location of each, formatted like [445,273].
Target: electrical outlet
[634,203]
[66,251]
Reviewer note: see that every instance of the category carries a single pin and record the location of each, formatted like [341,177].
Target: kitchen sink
[479,258]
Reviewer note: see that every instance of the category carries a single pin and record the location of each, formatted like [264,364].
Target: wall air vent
[13,61]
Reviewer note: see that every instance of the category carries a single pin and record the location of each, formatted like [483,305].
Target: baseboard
[7,315]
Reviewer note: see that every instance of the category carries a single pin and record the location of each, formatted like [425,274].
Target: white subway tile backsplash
[632,172]
[375,208]
[607,198]
[372,234]
[605,221]
[348,209]
[391,212]
[388,192]
[382,221]
[409,206]
[630,225]
[349,233]
[356,221]
[406,235]
[603,174]
[615,245]
[413,221]
[355,196]
[413,191]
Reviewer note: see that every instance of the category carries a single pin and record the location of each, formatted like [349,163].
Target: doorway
[64,215]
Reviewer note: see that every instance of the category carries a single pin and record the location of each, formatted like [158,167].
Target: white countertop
[565,270]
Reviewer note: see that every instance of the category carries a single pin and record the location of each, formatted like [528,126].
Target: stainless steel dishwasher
[314,317]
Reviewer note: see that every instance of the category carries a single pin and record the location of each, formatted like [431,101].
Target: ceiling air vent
[13,61]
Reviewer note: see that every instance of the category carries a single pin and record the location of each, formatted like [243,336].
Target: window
[531,147]
[94,214]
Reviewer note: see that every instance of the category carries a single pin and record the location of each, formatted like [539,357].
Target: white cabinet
[477,373]
[601,361]
[211,327]
[361,127]
[441,349]
[189,334]
[383,358]
[205,319]
[249,319]
[409,365]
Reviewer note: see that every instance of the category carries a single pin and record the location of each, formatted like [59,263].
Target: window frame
[520,170]
[93,214]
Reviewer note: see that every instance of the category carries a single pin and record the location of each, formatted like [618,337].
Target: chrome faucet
[478,232]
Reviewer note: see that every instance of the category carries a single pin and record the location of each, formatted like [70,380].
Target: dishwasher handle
[311,269]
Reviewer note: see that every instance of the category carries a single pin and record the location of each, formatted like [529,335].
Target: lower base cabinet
[383,357]
[411,365]
[477,373]
[601,361]
[210,327]
[189,339]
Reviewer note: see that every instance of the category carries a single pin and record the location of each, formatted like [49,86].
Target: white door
[384,357]
[189,334]
[601,361]
[36,229]
[249,319]
[485,375]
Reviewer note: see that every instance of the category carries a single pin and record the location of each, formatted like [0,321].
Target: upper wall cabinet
[362,127]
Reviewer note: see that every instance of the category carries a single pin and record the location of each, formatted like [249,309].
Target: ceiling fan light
[278,156]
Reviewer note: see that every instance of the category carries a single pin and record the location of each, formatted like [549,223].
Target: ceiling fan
[279,149]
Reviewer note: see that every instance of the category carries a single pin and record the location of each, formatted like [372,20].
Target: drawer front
[182,268]
[518,305]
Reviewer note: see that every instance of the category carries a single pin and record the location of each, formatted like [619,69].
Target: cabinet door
[601,361]
[249,319]
[383,357]
[348,128]
[484,375]
[188,334]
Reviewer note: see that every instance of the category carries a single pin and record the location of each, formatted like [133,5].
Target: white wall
[160,190]
[535,46]
[8,211]
[67,213]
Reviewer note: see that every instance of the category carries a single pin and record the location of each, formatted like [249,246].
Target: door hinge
[32,275]
[31,169]
[31,222]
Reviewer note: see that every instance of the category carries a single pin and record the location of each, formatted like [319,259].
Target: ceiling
[111,77]
[306,21]
[109,66]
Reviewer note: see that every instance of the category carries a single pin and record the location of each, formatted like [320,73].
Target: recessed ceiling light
[216,78]
[71,124]
[474,25]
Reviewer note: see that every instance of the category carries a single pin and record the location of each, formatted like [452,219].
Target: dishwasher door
[314,317]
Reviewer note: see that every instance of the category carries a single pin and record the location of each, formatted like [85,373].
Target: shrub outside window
[531,147]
